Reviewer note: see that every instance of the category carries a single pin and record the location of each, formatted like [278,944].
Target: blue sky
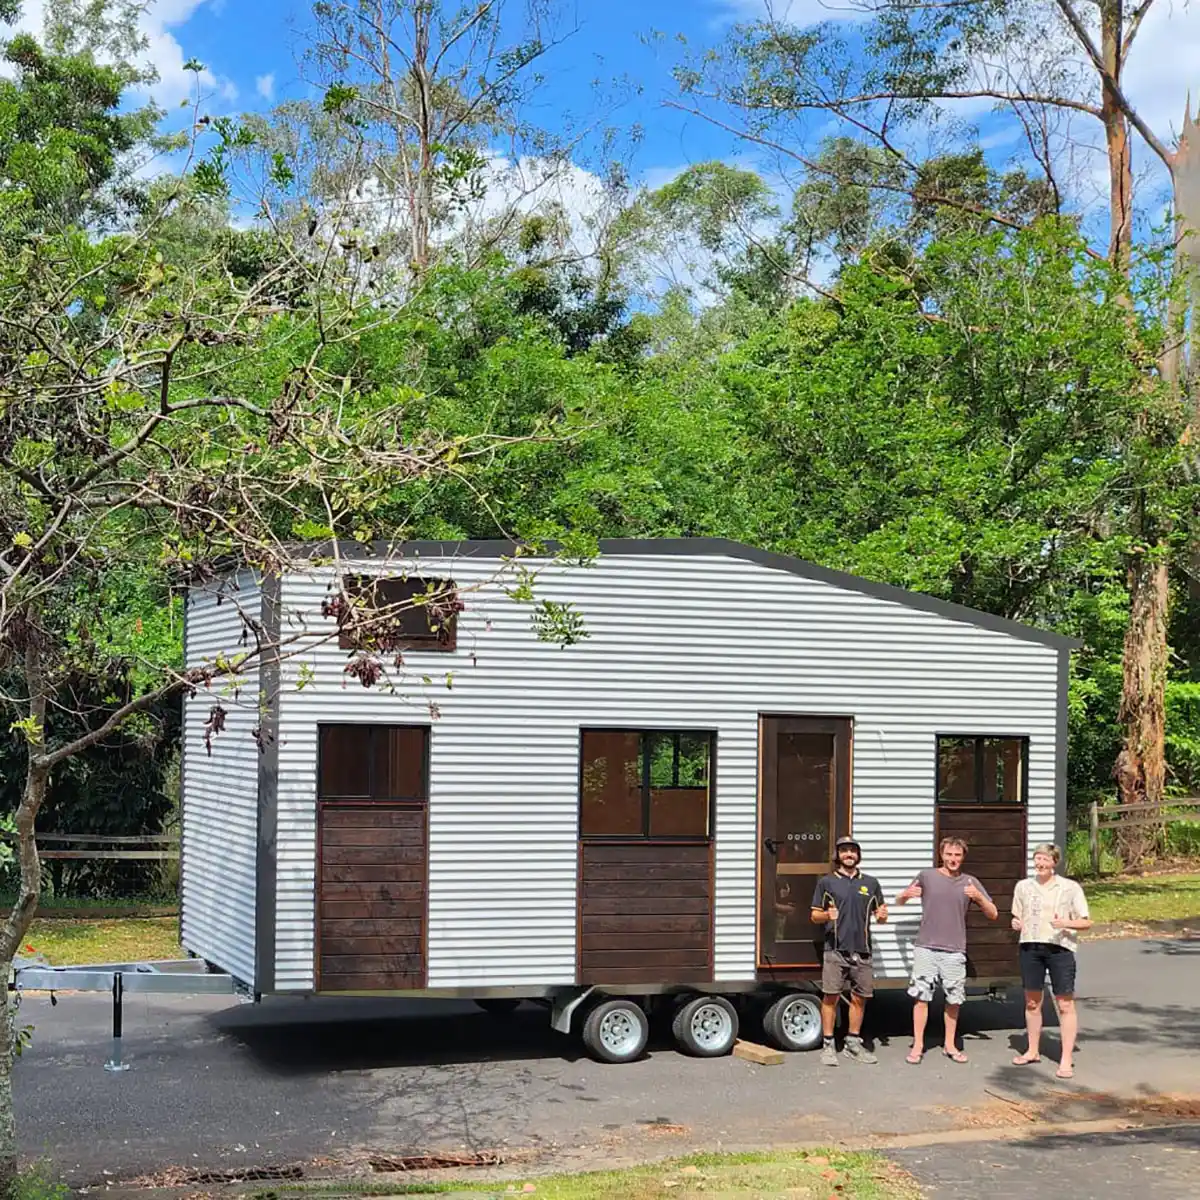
[257,48]
[253,48]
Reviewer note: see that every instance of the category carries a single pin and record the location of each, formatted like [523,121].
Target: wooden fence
[79,846]
[1125,816]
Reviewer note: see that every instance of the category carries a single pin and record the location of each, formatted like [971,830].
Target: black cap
[847,841]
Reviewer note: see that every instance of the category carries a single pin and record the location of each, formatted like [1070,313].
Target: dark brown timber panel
[371,897]
[995,837]
[645,912]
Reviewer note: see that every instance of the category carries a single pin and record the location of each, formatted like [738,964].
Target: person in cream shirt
[1049,911]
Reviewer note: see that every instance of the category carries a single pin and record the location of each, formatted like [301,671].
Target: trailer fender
[564,1007]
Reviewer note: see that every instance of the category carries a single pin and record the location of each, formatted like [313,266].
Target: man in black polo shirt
[843,903]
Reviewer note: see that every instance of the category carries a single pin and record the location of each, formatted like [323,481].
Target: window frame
[644,733]
[375,727]
[354,583]
[979,738]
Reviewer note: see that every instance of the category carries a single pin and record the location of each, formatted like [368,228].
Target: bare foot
[1024,1059]
[914,1056]
[1065,1071]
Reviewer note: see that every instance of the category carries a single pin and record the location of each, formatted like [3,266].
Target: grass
[128,939]
[1144,898]
[816,1174]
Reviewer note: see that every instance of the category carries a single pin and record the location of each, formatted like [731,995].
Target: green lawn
[127,939]
[1144,898]
[816,1174]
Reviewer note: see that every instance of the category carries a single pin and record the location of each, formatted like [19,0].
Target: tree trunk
[16,925]
[1141,765]
[8,1118]
[1116,136]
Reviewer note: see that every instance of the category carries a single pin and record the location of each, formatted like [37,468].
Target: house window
[984,770]
[645,784]
[397,614]
[373,762]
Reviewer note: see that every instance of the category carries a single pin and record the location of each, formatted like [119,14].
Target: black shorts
[1039,957]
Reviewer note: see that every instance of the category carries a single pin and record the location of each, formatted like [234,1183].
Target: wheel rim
[619,1031]
[799,1020]
[711,1026]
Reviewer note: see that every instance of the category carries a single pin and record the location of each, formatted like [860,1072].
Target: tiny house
[632,820]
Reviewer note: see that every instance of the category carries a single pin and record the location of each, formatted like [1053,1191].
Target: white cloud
[264,85]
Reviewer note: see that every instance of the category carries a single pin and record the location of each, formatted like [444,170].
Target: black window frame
[443,640]
[644,733]
[979,739]
[375,727]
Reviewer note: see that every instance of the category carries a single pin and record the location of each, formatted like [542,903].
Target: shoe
[829,1055]
[856,1050]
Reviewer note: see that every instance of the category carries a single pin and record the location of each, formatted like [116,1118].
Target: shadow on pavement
[318,1035]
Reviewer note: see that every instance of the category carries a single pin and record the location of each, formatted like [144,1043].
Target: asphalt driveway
[218,1085]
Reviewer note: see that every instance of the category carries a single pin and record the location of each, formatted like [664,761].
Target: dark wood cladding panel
[371,898]
[995,837]
[645,913]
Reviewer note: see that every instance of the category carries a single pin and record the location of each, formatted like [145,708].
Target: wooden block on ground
[753,1052]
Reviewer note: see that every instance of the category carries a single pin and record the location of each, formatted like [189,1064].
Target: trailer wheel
[706,1026]
[793,1022]
[616,1031]
[500,1007]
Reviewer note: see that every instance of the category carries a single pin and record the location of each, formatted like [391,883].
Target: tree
[172,407]
[1050,64]
[421,92]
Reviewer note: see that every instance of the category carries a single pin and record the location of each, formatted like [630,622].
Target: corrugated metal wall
[220,792]
[703,642]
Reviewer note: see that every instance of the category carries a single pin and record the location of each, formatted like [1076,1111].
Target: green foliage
[37,1183]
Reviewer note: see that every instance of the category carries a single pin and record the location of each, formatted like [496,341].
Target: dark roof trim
[722,548]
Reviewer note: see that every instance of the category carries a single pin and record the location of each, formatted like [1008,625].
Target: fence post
[1094,836]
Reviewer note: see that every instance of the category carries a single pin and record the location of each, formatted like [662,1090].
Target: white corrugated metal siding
[674,641]
[220,791]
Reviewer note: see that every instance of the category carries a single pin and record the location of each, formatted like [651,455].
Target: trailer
[630,823]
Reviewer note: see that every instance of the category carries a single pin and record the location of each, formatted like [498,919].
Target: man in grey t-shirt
[940,951]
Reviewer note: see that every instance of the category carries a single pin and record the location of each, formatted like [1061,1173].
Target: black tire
[504,1007]
[616,1031]
[793,1022]
[705,1027]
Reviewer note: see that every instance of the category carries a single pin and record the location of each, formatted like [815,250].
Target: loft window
[645,784]
[373,762]
[397,614]
[983,770]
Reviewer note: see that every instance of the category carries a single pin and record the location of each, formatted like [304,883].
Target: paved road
[1150,1164]
[218,1085]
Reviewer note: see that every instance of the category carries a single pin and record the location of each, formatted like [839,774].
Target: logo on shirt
[862,891]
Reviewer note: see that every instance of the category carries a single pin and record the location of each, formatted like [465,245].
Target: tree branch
[1131,113]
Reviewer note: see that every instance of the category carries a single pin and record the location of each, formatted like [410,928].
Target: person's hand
[912,892]
[1016,924]
[881,914]
[1059,922]
[972,892]
[831,913]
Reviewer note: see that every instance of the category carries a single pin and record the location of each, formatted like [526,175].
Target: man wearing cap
[843,902]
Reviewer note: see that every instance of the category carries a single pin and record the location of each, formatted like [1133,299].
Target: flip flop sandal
[1024,1060]
[914,1062]
[1067,1073]
[955,1056]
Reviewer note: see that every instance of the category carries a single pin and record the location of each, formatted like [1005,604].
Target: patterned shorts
[931,967]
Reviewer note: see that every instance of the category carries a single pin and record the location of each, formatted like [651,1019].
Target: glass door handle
[771,845]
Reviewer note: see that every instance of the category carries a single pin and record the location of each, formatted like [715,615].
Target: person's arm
[823,907]
[881,912]
[1018,907]
[978,893]
[1080,919]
